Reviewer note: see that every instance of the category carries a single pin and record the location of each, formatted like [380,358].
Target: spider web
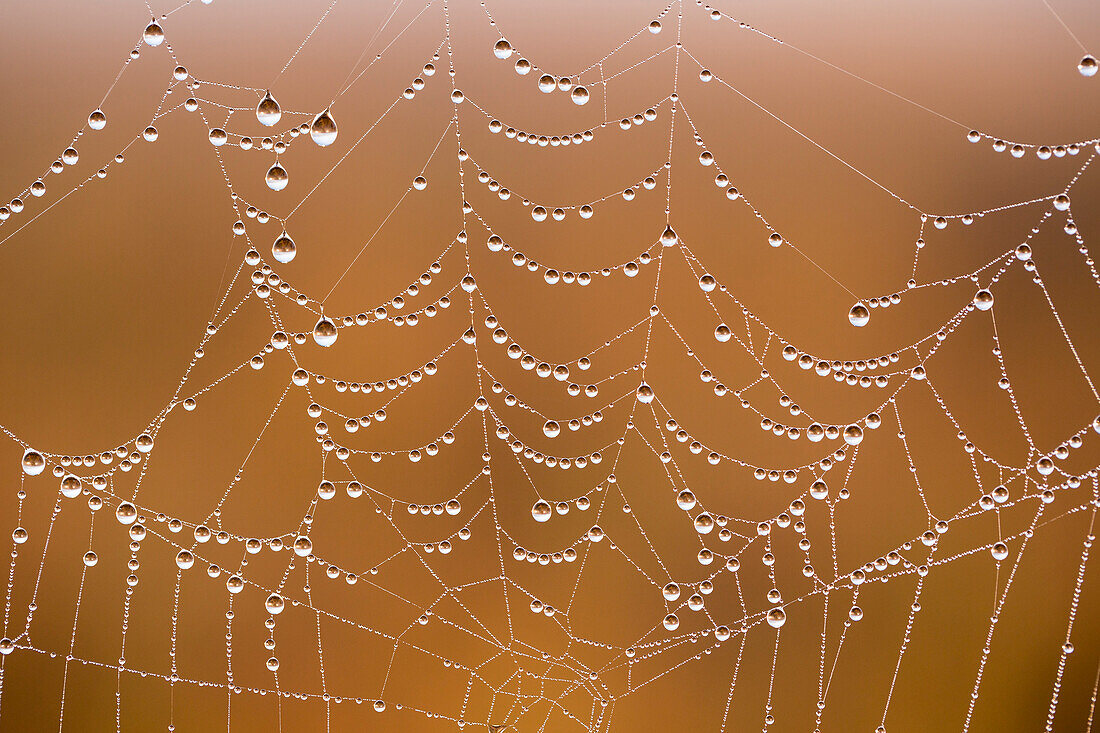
[510,530]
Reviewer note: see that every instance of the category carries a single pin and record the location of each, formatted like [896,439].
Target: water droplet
[1088,66]
[859,315]
[283,248]
[668,237]
[551,429]
[97,120]
[983,300]
[153,34]
[324,333]
[277,177]
[323,130]
[579,96]
[541,511]
[33,463]
[503,50]
[776,618]
[267,111]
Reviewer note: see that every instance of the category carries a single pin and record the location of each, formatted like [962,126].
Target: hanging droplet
[644,393]
[97,120]
[277,177]
[776,618]
[1088,66]
[184,559]
[324,333]
[268,111]
[983,300]
[999,551]
[668,237]
[274,604]
[90,559]
[153,34]
[70,486]
[283,249]
[853,435]
[541,511]
[323,130]
[859,315]
[579,96]
[126,513]
[33,463]
[70,156]
[551,429]
[502,50]
[150,134]
[547,84]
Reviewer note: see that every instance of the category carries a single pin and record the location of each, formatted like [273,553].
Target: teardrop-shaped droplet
[541,511]
[283,248]
[277,177]
[323,130]
[267,111]
[859,315]
[668,237]
[97,120]
[324,333]
[153,34]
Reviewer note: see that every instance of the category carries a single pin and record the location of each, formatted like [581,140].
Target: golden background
[107,295]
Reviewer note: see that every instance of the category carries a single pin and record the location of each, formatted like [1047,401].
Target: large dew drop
[541,511]
[859,315]
[153,34]
[277,177]
[97,120]
[267,111]
[668,237]
[283,249]
[323,130]
[33,463]
[1088,66]
[324,333]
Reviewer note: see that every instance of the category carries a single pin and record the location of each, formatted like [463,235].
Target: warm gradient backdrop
[107,294]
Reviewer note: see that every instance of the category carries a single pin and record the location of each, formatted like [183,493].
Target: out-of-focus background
[107,292]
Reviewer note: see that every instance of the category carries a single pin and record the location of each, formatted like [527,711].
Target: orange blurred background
[108,292]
